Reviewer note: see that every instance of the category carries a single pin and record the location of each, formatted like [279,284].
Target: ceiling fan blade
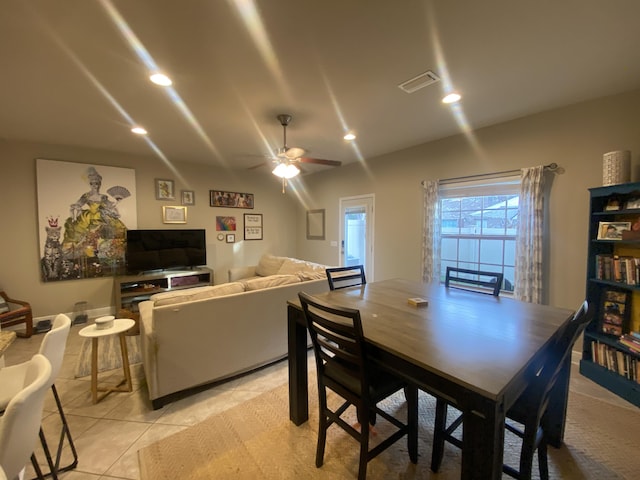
[320,161]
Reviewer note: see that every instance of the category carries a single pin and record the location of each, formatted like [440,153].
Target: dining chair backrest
[538,392]
[52,346]
[343,366]
[20,424]
[343,277]
[476,280]
[54,343]
[338,344]
[528,410]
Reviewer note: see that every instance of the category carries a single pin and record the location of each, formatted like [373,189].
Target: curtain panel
[528,273]
[430,232]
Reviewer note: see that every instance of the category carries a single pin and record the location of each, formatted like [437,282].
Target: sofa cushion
[269,265]
[198,293]
[293,266]
[219,291]
[270,281]
[178,293]
[311,275]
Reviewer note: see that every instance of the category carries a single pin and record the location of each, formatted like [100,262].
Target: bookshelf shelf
[613,291]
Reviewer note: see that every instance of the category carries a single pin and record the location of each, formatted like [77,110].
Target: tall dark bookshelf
[613,289]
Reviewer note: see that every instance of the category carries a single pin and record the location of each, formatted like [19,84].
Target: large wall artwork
[84,212]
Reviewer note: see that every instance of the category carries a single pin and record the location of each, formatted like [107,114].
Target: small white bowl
[102,323]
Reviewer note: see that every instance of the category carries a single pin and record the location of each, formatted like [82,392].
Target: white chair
[20,423]
[12,377]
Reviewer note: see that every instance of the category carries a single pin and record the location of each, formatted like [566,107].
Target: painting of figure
[84,213]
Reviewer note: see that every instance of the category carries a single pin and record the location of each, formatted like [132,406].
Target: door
[356,232]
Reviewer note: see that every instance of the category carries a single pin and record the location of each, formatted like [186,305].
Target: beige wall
[20,271]
[575,137]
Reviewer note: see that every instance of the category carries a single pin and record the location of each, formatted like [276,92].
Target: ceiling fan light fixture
[285,170]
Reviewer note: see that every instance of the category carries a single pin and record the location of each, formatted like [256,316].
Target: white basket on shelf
[616,167]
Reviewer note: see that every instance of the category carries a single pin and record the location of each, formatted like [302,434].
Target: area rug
[256,440]
[109,355]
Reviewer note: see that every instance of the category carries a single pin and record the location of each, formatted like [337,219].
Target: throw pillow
[269,265]
[291,266]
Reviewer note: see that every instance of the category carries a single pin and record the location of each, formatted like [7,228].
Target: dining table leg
[483,439]
[298,378]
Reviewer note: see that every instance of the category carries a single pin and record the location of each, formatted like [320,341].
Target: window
[478,226]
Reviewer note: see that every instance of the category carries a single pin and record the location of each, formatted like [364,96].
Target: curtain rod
[506,173]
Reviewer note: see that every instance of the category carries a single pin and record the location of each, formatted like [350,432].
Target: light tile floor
[109,434]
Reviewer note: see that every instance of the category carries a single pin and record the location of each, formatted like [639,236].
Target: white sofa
[194,337]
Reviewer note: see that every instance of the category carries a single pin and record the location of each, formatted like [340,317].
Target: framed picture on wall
[315,224]
[253,226]
[174,214]
[220,198]
[165,189]
[188,197]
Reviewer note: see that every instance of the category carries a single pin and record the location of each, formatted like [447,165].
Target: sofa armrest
[238,273]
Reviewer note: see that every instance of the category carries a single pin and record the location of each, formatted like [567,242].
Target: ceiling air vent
[421,81]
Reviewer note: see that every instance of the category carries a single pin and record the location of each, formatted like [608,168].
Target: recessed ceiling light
[451,98]
[139,131]
[349,136]
[160,79]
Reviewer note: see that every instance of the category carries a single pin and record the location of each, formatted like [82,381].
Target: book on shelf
[631,342]
[621,362]
[616,268]
[614,315]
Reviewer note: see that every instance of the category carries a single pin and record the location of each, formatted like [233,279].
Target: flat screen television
[165,249]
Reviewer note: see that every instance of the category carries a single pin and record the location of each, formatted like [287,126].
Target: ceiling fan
[287,158]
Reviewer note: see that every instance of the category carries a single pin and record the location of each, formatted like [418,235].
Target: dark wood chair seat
[19,312]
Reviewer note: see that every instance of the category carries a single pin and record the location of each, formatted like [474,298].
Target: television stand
[130,290]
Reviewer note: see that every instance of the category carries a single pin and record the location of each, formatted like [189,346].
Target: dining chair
[476,280]
[343,366]
[16,312]
[12,378]
[20,423]
[526,418]
[343,277]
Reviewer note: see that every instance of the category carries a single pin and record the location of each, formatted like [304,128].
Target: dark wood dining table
[477,351]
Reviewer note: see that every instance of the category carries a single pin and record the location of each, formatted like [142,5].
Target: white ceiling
[75,72]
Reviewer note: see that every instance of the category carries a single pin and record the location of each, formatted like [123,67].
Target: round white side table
[120,325]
